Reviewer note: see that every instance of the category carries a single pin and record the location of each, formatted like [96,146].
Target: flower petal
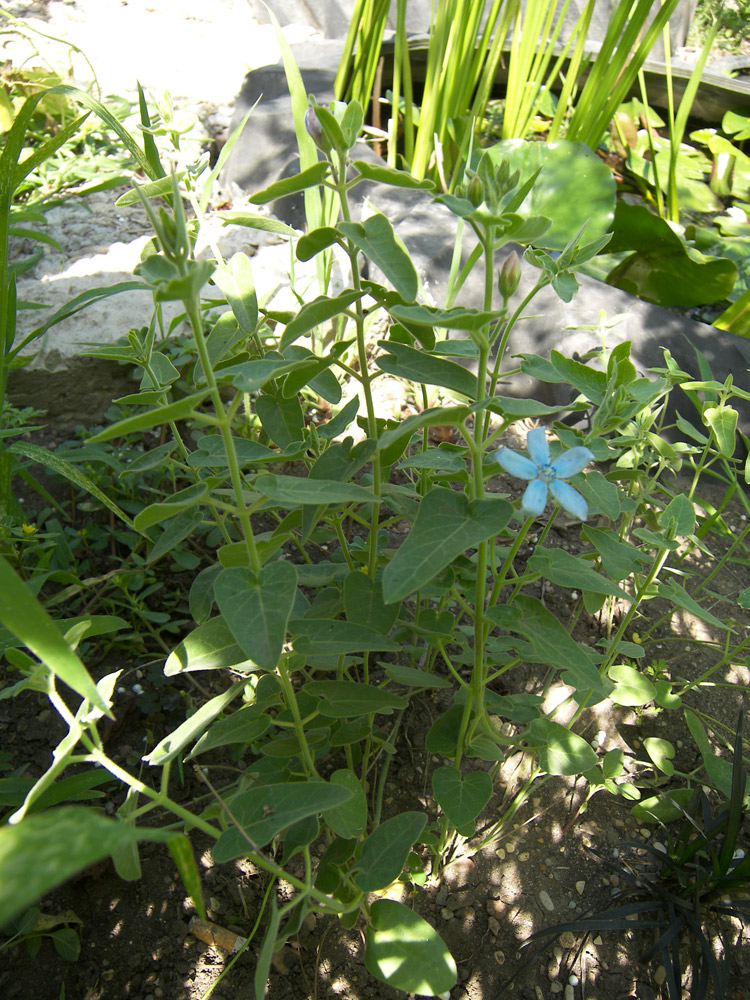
[569,499]
[516,464]
[536,442]
[571,461]
[535,498]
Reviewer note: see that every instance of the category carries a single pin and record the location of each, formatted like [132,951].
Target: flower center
[547,473]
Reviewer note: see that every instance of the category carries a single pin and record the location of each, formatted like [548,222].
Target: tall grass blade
[680,122]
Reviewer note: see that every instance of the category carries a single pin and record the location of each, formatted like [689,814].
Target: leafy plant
[32,927]
[324,624]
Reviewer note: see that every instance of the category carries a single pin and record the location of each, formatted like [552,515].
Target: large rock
[428,229]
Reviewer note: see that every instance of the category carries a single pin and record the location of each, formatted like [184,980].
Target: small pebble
[445,913]
[524,856]
[573,980]
[546,900]
[500,957]
[569,993]
[660,975]
[580,886]
[567,939]
[500,854]
[494,925]
[556,987]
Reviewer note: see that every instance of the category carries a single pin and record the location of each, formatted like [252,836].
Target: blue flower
[546,474]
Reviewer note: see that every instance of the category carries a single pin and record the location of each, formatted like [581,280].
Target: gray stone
[267,148]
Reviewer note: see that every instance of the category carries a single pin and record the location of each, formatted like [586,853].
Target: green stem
[193,312]
[291,701]
[365,377]
[628,617]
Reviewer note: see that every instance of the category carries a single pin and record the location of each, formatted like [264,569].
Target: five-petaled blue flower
[546,474]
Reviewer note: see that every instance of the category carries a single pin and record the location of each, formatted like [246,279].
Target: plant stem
[193,312]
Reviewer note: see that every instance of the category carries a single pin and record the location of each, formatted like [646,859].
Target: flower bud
[509,275]
[315,130]
[475,192]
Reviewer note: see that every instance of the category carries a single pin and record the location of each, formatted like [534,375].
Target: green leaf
[319,239]
[549,642]
[619,559]
[183,409]
[182,500]
[387,175]
[589,381]
[340,422]
[560,750]
[67,944]
[243,726]
[632,688]
[263,811]
[723,422]
[393,442]
[153,189]
[567,570]
[168,748]
[442,736]
[661,753]
[293,490]
[565,169]
[48,848]
[520,409]
[235,279]
[661,269]
[377,240]
[719,769]
[447,524]
[676,593]
[424,367]
[316,373]
[182,852]
[265,223]
[282,419]
[414,677]
[461,798]
[349,699]
[440,458]
[211,646]
[406,952]
[678,517]
[385,851]
[312,314]
[363,603]
[257,608]
[348,820]
[342,460]
[310,177]
[457,318]
[74,475]
[322,637]
[664,808]
[25,618]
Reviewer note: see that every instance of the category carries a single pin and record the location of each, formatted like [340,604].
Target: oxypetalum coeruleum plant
[327,628]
